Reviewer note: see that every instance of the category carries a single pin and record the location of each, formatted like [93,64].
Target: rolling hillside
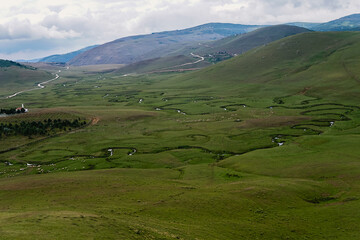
[15,76]
[143,47]
[347,23]
[324,63]
[307,25]
[215,51]
[64,58]
[239,44]
[138,48]
[164,64]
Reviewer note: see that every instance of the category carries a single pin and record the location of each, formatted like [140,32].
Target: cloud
[56,8]
[98,21]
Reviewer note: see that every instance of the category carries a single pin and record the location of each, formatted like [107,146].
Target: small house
[22,109]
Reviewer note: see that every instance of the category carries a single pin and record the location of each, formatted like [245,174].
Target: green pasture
[262,146]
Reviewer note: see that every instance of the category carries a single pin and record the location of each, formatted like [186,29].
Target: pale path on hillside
[189,63]
[39,86]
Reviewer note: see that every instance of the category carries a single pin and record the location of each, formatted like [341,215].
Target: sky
[37,28]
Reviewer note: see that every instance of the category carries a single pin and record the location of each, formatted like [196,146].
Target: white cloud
[99,21]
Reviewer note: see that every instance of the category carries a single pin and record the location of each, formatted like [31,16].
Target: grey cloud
[4,33]
[56,9]
[77,24]
[16,30]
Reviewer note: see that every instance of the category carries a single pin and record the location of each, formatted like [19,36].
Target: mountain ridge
[159,44]
[347,23]
[143,47]
[215,51]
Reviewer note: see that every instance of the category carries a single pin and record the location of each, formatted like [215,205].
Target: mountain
[307,25]
[28,61]
[172,43]
[348,23]
[58,58]
[214,51]
[239,44]
[138,48]
[64,58]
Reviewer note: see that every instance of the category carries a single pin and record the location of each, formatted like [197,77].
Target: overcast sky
[37,28]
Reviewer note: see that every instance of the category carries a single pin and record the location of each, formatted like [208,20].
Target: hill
[58,58]
[323,62]
[163,64]
[7,63]
[307,25]
[15,76]
[239,44]
[347,23]
[138,48]
[143,47]
[214,51]
[64,58]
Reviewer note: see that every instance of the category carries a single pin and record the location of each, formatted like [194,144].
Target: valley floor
[157,158]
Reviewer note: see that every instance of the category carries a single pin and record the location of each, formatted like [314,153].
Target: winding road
[171,69]
[39,86]
[190,63]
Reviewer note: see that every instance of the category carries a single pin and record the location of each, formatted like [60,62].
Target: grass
[196,155]
[17,78]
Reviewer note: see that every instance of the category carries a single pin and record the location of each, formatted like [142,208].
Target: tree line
[12,111]
[39,128]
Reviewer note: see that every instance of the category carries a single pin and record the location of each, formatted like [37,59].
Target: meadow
[227,152]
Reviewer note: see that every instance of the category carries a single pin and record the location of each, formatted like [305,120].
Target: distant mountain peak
[355,16]
[347,23]
[143,47]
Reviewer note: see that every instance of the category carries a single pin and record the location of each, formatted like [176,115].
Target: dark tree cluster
[7,63]
[12,111]
[218,57]
[39,128]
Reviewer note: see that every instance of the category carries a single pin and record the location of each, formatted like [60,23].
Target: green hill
[214,51]
[15,76]
[164,64]
[324,62]
[7,63]
[239,44]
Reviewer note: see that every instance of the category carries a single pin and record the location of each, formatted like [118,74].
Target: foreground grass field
[263,146]
[200,202]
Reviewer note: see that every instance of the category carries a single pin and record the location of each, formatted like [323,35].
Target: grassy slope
[347,23]
[16,77]
[306,189]
[159,64]
[322,62]
[239,44]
